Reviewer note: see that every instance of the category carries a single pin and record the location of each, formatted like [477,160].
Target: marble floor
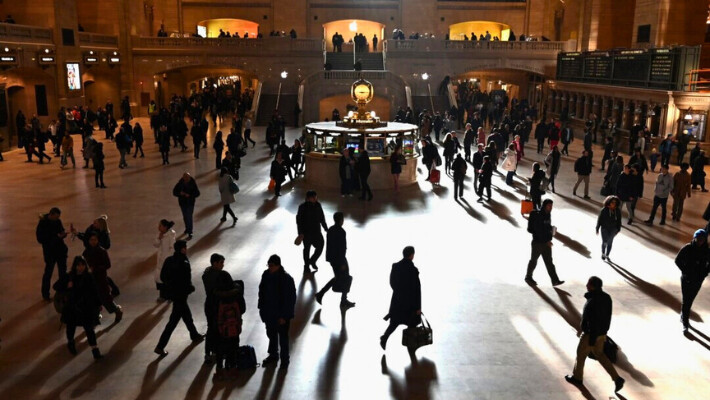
[495,337]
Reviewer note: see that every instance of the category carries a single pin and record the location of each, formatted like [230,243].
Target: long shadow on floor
[623,363]
[569,313]
[585,205]
[652,291]
[11,325]
[573,245]
[705,342]
[330,368]
[197,386]
[266,208]
[208,211]
[418,380]
[151,383]
[641,230]
[501,211]
[470,210]
[304,305]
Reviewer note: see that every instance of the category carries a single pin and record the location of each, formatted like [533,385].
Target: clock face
[362,91]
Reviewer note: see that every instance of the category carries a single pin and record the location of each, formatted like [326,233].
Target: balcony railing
[268,44]
[25,34]
[426,45]
[88,39]
[352,75]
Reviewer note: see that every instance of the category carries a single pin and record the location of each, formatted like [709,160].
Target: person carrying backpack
[542,232]
[224,307]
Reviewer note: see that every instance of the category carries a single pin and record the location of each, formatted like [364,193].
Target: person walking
[99,262]
[626,191]
[346,171]
[123,145]
[459,168]
[609,222]
[277,302]
[196,133]
[177,278]
[552,162]
[510,164]
[247,132]
[227,189]
[536,185]
[138,139]
[596,319]
[336,247]
[186,191]
[541,135]
[697,177]
[297,157]
[583,168]
[278,173]
[82,306]
[99,165]
[218,147]
[450,149]
[681,190]
[539,224]
[396,162]
[406,303]
[50,234]
[692,260]
[164,144]
[67,152]
[164,242]
[362,167]
[663,188]
[616,168]
[567,139]
[468,137]
[477,164]
[309,220]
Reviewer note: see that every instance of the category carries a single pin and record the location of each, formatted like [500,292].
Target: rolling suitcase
[435,176]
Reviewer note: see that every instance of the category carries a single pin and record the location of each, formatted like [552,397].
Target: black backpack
[246,358]
[531,220]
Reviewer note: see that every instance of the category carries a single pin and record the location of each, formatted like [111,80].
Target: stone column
[625,120]
[605,108]
[65,16]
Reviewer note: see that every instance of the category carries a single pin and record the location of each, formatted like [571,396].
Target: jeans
[337,272]
[212,334]
[226,209]
[544,250]
[123,152]
[99,177]
[677,207]
[656,202]
[580,179]
[196,149]
[181,310]
[607,240]
[583,350]
[66,156]
[88,329]
[278,338]
[565,149]
[689,289]
[50,259]
[481,187]
[475,180]
[165,155]
[187,211]
[317,242]
[458,185]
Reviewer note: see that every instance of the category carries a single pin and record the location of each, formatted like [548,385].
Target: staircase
[441,103]
[267,104]
[344,61]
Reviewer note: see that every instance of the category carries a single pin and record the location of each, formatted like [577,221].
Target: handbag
[272,184]
[342,283]
[418,336]
[526,206]
[233,187]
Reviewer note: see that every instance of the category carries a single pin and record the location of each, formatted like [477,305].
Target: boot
[96,353]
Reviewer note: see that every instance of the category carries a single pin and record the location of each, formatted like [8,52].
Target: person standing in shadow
[596,319]
[277,302]
[363,171]
[692,260]
[336,247]
[406,303]
[177,280]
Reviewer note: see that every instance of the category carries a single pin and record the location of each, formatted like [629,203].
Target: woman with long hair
[609,222]
[510,164]
[99,262]
[82,306]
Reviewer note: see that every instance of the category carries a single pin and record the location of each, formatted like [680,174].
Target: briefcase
[526,206]
[418,336]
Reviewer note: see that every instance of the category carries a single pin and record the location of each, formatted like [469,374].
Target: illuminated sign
[91,60]
[8,59]
[47,60]
[73,76]
[114,60]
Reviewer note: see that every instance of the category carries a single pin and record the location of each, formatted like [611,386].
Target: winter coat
[177,277]
[552,161]
[190,188]
[511,160]
[625,187]
[99,262]
[459,167]
[697,177]
[609,220]
[596,316]
[681,185]
[46,233]
[535,182]
[583,166]
[104,238]
[363,165]
[406,292]
[218,286]
[541,227]
[226,195]
[692,260]
[277,296]
[478,160]
[83,303]
[138,135]
[310,218]
[165,250]
[336,245]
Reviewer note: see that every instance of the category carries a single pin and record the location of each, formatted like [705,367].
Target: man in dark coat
[186,191]
[541,135]
[567,138]
[309,220]
[459,168]
[335,250]
[485,176]
[583,168]
[626,190]
[362,168]
[177,279]
[406,303]
[692,260]
[277,301]
[347,173]
[596,319]
[50,234]
[468,138]
[542,232]
[196,133]
[477,164]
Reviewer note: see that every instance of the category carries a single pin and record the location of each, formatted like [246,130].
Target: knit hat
[274,259]
[700,232]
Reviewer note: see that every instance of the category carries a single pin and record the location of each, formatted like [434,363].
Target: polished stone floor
[495,337]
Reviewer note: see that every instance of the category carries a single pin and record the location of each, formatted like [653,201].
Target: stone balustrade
[88,39]
[25,34]
[263,45]
[435,45]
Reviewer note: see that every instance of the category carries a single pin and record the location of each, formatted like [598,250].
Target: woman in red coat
[99,263]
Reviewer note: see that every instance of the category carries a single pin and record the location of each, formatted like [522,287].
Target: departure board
[663,68]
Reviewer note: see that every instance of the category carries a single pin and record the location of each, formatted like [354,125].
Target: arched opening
[211,27]
[347,28]
[343,103]
[464,30]
[101,83]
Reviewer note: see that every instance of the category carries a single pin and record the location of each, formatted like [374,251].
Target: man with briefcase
[335,249]
[406,303]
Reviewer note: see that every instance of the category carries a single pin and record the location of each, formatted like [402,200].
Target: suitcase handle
[425,322]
